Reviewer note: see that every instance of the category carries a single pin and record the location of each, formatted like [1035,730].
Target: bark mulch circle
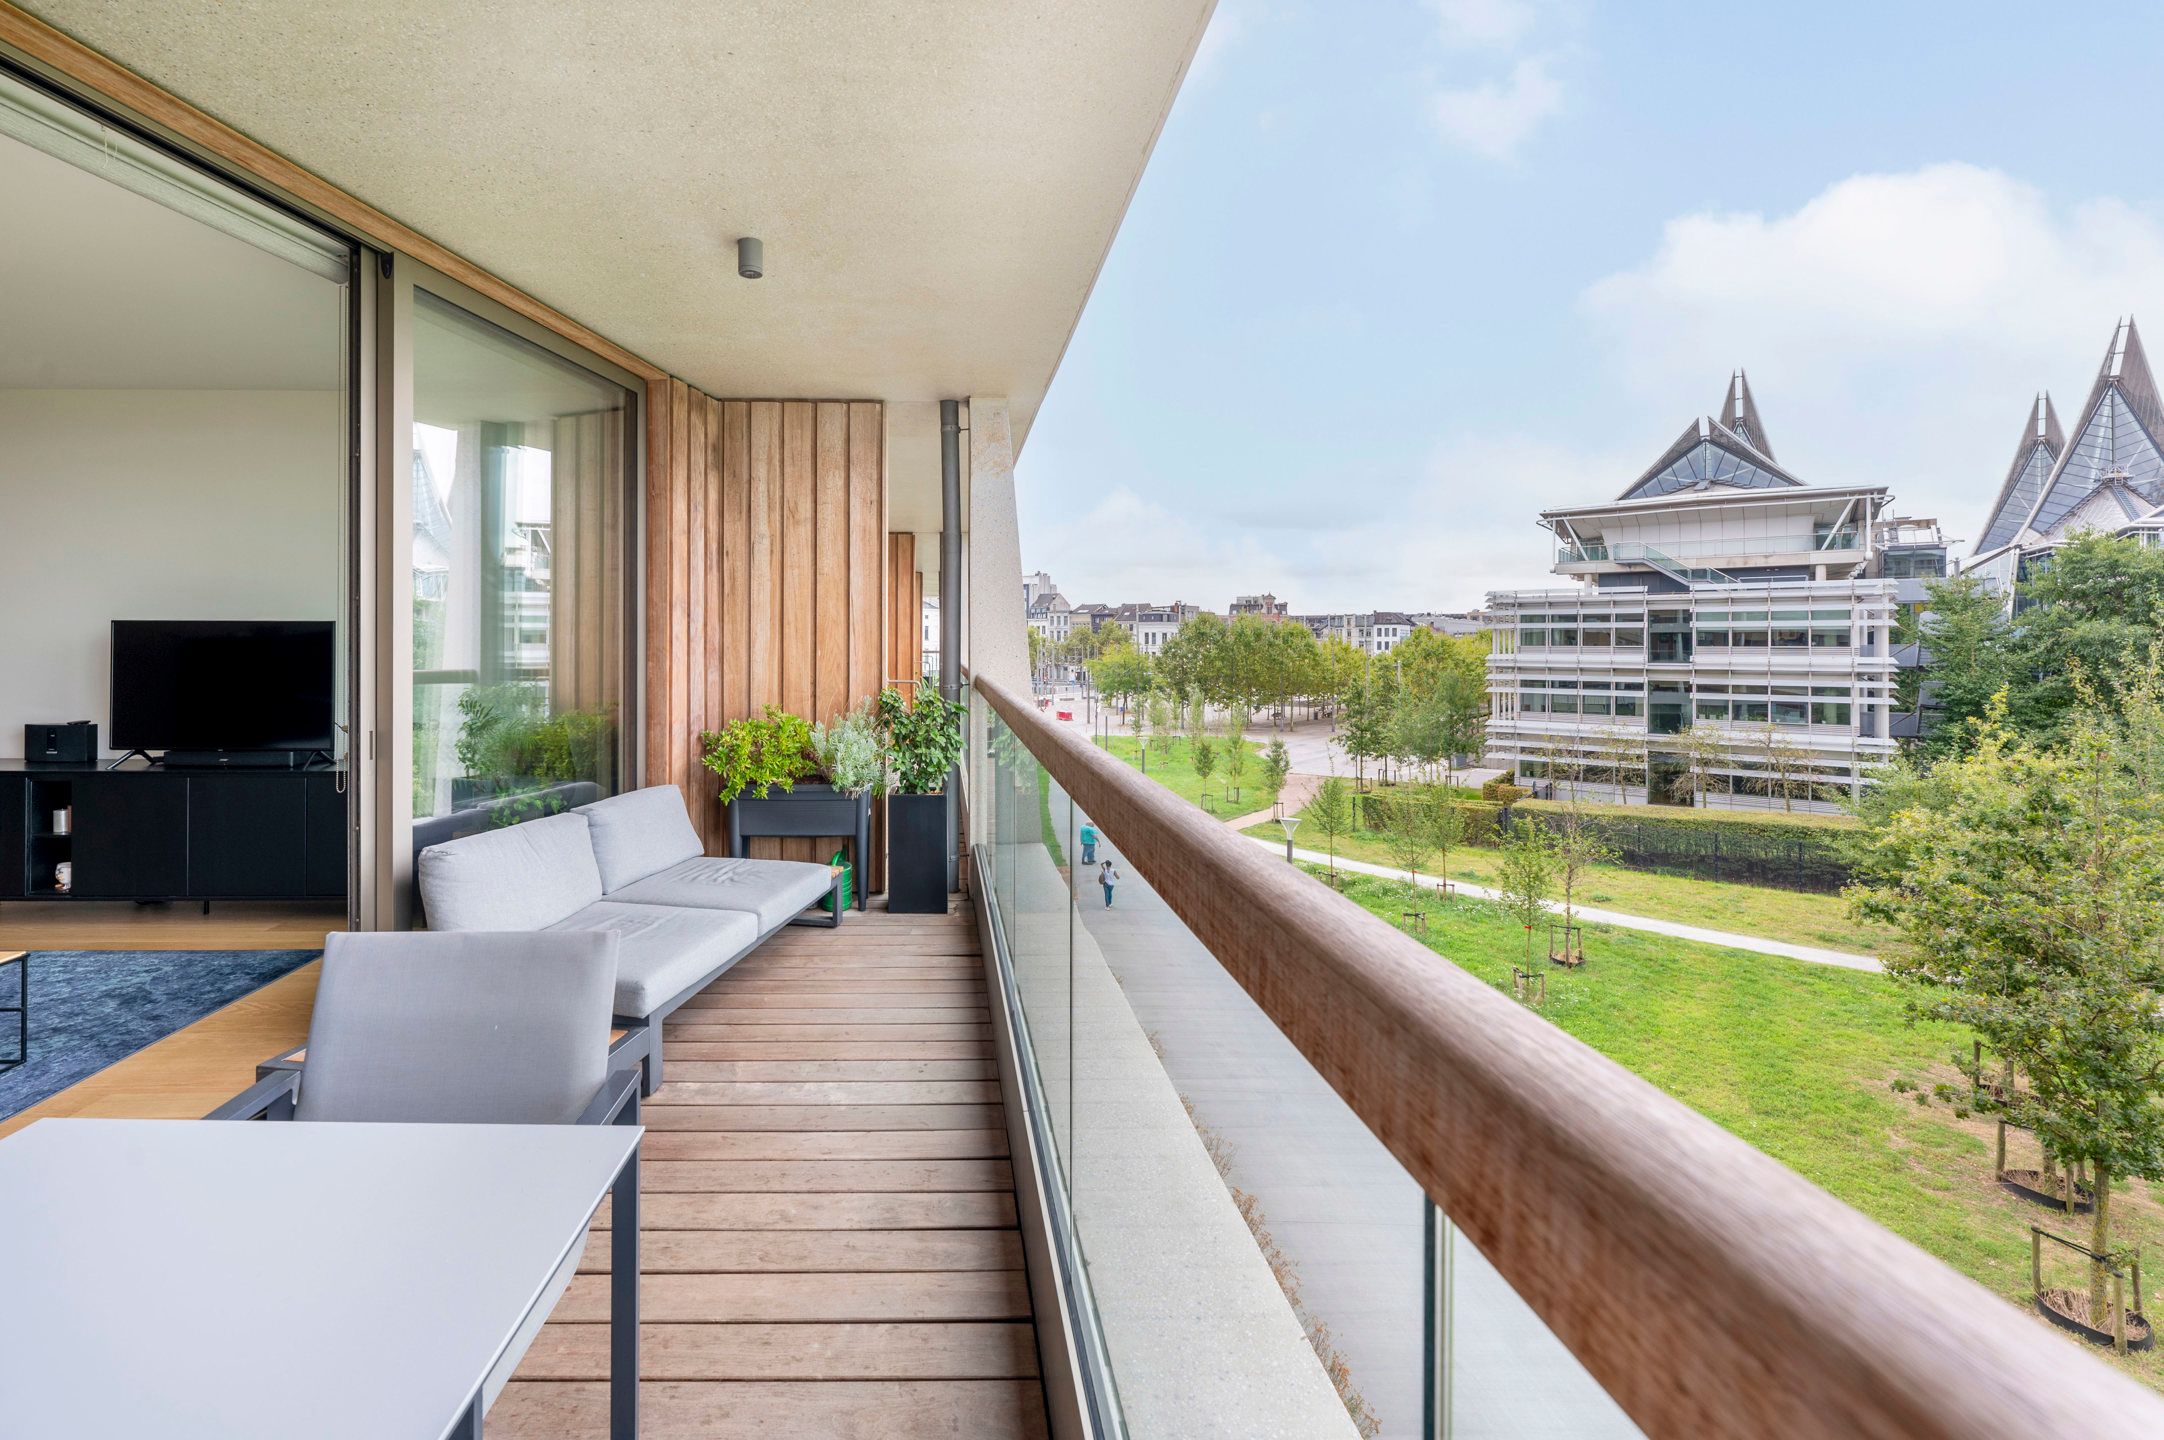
[2069,1310]
[2031,1185]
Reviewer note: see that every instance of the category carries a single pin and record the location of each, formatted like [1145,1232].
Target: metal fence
[1740,854]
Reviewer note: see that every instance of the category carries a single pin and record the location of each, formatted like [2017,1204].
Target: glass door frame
[385,854]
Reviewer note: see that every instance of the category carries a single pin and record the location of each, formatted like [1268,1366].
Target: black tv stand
[160,832]
[130,756]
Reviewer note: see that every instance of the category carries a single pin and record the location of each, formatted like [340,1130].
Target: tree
[1276,765]
[1236,753]
[1788,765]
[1190,658]
[1339,669]
[1701,749]
[1964,631]
[1578,844]
[1368,721]
[2023,882]
[1164,716]
[1198,714]
[1121,673]
[1331,813]
[1461,703]
[1202,754]
[1525,876]
[1037,648]
[2087,617]
[1415,827]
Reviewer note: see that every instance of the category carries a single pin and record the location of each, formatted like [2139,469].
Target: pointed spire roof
[1739,412]
[1707,454]
[2120,436]
[2041,444]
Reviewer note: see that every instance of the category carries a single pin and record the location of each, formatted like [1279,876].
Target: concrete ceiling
[102,289]
[936,181]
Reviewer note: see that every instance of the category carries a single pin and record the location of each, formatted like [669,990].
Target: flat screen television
[223,685]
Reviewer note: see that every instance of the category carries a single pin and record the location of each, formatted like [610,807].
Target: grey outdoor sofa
[631,865]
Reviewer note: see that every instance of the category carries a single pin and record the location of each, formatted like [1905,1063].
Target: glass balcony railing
[1304,1177]
[1620,552]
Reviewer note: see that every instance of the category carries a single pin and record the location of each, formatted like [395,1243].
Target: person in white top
[1108,877]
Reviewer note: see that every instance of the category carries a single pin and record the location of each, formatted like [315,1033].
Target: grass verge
[1797,1060]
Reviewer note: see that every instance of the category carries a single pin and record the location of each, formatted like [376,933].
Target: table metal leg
[624,1293]
[469,1424]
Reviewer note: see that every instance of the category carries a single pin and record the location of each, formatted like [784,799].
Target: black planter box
[917,854]
[808,811]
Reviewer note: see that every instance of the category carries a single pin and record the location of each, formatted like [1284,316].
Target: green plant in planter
[851,751]
[924,738]
[757,753]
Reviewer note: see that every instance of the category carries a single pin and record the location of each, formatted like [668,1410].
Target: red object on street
[1065,714]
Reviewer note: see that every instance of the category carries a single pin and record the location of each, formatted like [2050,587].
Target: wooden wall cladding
[765,581]
[905,614]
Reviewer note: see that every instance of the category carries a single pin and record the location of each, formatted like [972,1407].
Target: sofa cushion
[640,833]
[774,890]
[522,877]
[663,949]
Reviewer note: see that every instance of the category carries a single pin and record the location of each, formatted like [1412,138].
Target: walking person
[1108,877]
[1089,843]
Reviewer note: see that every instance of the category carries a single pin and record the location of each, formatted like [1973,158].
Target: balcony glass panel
[1247,1258]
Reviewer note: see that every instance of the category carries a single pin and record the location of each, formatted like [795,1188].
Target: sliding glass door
[512,569]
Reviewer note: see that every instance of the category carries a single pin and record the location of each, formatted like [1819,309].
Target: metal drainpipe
[950,606]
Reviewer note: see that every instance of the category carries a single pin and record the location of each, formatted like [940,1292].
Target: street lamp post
[1291,823]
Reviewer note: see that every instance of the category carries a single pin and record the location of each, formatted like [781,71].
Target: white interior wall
[154,505]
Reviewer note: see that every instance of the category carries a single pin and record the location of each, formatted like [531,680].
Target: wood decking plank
[761,1410]
[686,1032]
[838,1297]
[783,1049]
[828,1092]
[824,1144]
[809,1252]
[822,1117]
[916,1177]
[960,1210]
[733,1014]
[970,1350]
[684,1071]
[851,998]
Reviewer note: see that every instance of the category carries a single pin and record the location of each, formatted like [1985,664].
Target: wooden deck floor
[829,1243]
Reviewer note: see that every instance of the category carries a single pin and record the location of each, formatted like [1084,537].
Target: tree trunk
[2099,1244]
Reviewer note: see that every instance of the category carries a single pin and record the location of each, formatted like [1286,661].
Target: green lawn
[1795,1059]
[1172,766]
[1791,915]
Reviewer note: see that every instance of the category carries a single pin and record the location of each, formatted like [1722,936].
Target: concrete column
[997,639]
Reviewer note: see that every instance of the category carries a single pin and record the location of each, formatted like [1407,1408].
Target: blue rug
[89,1008]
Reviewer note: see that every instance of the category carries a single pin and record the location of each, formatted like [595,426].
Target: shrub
[1501,792]
[758,753]
[851,751]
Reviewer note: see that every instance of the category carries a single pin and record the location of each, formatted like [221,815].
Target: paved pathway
[1809,954]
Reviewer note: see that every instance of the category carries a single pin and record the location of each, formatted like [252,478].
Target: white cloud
[1895,326]
[1484,24]
[1495,118]
[1126,547]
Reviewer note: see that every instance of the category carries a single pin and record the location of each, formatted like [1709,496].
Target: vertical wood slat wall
[765,579]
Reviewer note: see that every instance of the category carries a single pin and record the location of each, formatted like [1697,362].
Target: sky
[1402,273]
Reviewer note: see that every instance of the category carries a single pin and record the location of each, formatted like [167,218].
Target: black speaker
[75,743]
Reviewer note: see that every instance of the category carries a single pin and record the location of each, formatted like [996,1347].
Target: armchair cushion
[775,891]
[639,833]
[663,950]
[468,1028]
[522,877]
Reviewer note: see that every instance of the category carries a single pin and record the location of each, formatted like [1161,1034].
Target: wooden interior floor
[124,925]
[829,1245]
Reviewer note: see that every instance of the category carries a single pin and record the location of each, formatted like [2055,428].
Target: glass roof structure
[1707,454]
[2116,438]
[2042,442]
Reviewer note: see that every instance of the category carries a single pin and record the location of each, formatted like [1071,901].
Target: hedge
[1788,852]
[1479,821]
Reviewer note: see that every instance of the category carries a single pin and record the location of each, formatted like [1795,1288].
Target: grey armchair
[476,1027]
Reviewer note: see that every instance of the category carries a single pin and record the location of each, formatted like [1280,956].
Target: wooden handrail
[1709,1289]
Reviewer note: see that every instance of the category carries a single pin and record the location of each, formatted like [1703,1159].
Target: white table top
[231,1280]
